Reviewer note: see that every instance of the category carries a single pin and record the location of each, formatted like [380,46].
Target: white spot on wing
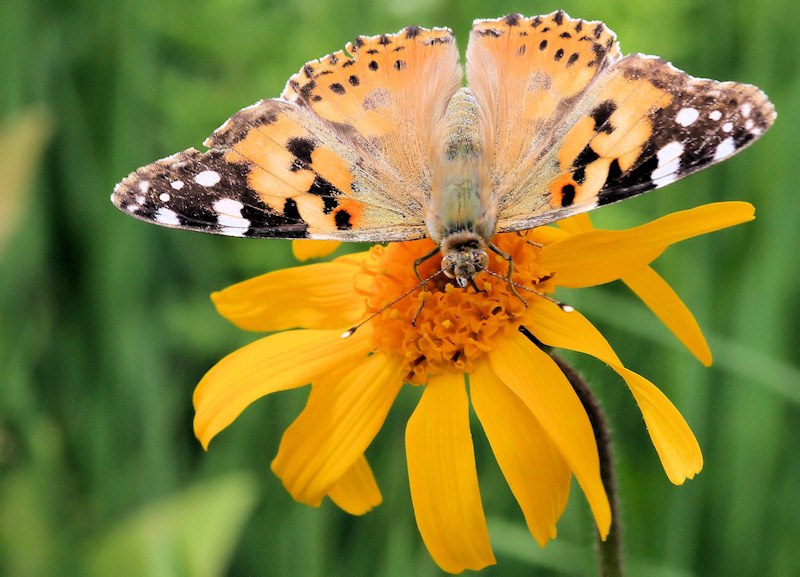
[715,115]
[725,148]
[164,197]
[144,186]
[749,124]
[746,109]
[669,161]
[207,178]
[228,206]
[687,116]
[229,217]
[140,199]
[176,184]
[727,127]
[167,216]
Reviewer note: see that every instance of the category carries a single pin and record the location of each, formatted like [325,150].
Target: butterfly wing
[576,125]
[341,155]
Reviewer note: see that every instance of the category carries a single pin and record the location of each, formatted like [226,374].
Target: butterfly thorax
[460,221]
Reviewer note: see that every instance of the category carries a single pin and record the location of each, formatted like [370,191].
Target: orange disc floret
[454,326]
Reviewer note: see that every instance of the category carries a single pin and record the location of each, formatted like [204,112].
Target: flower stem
[610,550]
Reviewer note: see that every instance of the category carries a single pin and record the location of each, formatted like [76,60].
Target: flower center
[454,326]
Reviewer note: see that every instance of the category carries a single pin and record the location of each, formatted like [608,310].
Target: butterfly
[380,142]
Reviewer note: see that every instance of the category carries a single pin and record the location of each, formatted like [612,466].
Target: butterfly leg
[477,290]
[510,272]
[418,262]
[530,242]
[422,259]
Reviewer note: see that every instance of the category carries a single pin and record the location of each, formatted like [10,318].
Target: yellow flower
[533,419]
[306,249]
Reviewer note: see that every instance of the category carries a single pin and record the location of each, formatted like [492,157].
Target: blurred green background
[106,324]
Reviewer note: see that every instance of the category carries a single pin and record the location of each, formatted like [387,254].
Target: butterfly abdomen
[459,173]
[459,220]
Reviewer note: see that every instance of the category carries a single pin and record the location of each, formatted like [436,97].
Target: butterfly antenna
[563,306]
[349,332]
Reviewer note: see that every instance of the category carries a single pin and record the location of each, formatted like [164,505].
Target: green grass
[106,325]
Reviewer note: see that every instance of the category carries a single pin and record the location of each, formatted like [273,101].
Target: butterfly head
[464,256]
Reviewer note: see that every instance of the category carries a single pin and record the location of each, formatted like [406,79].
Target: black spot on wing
[601,113]
[572,59]
[567,195]
[621,185]
[342,220]
[290,210]
[413,31]
[586,157]
[301,148]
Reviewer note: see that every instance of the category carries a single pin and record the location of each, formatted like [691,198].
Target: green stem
[609,550]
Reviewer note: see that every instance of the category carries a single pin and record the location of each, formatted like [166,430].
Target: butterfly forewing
[577,126]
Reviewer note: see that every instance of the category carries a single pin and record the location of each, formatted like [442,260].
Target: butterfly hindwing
[341,155]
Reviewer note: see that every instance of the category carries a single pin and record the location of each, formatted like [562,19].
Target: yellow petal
[577,223]
[443,478]
[600,256]
[673,439]
[538,475]
[340,420]
[274,363]
[357,491]
[536,379]
[662,300]
[318,296]
[304,249]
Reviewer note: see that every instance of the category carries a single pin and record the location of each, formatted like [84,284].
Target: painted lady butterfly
[381,143]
